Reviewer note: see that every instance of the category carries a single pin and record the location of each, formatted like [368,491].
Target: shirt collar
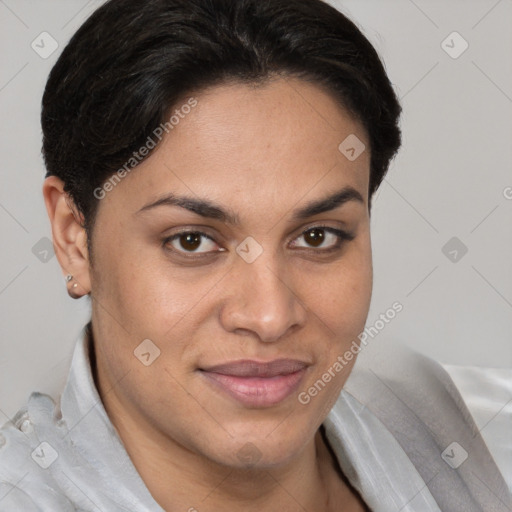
[96,438]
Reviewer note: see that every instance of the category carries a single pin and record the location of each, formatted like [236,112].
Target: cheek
[140,287]
[341,306]
[341,297]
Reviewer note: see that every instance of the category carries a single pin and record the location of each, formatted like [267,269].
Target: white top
[67,456]
[488,395]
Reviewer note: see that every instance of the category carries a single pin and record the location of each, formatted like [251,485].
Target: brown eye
[324,238]
[190,241]
[314,237]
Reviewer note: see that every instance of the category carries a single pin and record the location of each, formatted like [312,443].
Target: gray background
[449,180]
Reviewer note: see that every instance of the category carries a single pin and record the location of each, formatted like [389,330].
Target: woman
[210,170]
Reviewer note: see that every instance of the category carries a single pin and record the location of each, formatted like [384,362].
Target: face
[244,271]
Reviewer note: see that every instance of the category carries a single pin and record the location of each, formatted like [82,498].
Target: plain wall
[452,178]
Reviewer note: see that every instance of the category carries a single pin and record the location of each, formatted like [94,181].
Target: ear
[69,236]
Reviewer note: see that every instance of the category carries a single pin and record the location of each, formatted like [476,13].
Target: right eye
[190,242]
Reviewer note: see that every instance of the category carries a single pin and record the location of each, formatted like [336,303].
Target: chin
[250,451]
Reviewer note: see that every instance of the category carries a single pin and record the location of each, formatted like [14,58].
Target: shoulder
[418,402]
[394,371]
[25,482]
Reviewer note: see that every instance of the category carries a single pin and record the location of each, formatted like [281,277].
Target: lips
[249,368]
[256,384]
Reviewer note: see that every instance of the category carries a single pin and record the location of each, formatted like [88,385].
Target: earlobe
[69,236]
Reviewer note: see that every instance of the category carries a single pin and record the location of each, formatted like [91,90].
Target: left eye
[318,235]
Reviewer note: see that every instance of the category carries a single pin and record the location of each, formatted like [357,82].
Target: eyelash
[343,236]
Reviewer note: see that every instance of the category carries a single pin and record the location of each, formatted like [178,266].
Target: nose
[262,301]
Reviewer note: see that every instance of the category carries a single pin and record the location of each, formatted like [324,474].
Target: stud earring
[68,278]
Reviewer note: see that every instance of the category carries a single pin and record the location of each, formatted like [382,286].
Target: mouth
[256,384]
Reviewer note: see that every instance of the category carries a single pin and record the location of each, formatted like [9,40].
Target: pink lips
[257,384]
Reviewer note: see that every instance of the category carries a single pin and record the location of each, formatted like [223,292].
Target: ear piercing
[68,278]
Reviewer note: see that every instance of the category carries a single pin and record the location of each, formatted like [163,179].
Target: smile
[257,384]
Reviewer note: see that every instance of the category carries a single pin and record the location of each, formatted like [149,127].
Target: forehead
[260,145]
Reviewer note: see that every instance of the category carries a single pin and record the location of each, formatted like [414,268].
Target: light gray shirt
[399,429]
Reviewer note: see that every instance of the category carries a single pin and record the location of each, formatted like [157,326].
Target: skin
[261,152]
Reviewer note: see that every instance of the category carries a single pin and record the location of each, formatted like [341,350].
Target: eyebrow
[208,209]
